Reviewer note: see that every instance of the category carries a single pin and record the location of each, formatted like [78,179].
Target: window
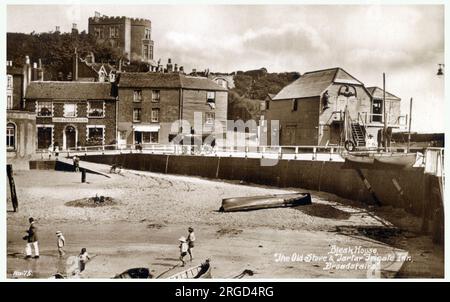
[70,110]
[95,136]
[136,115]
[294,104]
[44,109]
[95,109]
[147,34]
[151,53]
[209,118]
[150,137]
[211,96]
[145,52]
[114,32]
[155,115]
[9,104]
[156,96]
[98,32]
[267,105]
[137,96]
[44,137]
[10,82]
[10,136]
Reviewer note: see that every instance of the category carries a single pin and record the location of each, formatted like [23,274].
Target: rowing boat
[264,202]
[202,271]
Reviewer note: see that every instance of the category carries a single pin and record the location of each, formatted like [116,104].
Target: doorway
[70,137]
[377,110]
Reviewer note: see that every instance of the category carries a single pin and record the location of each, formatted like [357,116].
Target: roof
[314,83]
[166,80]
[377,92]
[69,90]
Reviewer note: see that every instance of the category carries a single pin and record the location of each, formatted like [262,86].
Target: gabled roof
[166,80]
[314,83]
[60,90]
[377,92]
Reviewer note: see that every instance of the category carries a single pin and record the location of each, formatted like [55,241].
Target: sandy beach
[151,211]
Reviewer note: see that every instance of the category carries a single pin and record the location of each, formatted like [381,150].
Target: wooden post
[409,123]
[384,114]
[83,175]
[12,187]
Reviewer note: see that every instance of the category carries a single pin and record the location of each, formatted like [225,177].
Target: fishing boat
[202,271]
[264,202]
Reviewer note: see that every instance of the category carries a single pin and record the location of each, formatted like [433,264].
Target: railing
[433,157]
[369,118]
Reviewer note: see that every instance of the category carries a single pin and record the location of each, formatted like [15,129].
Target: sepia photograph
[221,141]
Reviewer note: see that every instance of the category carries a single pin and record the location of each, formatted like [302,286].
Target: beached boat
[202,271]
[135,273]
[264,202]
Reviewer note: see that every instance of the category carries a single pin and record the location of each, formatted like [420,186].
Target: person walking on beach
[32,240]
[60,242]
[83,258]
[190,241]
[183,250]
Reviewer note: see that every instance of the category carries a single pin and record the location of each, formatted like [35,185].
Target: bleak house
[149,104]
[72,114]
[311,110]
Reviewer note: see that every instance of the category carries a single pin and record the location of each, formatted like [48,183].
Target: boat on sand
[265,202]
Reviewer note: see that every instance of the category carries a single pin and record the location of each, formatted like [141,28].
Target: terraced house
[311,109]
[72,114]
[149,104]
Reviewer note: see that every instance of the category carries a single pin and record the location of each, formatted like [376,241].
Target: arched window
[10,136]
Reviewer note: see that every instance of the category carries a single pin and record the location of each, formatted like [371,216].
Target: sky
[405,42]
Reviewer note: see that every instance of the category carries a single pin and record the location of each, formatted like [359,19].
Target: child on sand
[190,241]
[183,249]
[83,258]
[60,242]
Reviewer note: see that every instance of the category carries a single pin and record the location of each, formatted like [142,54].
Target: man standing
[32,240]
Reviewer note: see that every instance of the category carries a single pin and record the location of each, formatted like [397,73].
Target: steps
[359,135]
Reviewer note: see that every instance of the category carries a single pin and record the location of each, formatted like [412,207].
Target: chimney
[181,69]
[40,71]
[75,66]
[57,29]
[26,78]
[175,67]
[34,72]
[194,72]
[169,65]
[74,29]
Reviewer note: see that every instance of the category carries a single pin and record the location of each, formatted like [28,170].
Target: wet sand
[152,211]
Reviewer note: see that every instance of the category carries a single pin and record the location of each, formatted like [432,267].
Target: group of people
[53,149]
[187,246]
[33,243]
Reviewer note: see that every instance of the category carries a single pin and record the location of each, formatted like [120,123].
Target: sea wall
[408,189]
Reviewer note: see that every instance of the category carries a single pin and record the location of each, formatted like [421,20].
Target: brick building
[151,102]
[131,36]
[72,114]
[310,110]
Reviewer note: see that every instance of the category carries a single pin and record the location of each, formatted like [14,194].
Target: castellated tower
[132,36]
